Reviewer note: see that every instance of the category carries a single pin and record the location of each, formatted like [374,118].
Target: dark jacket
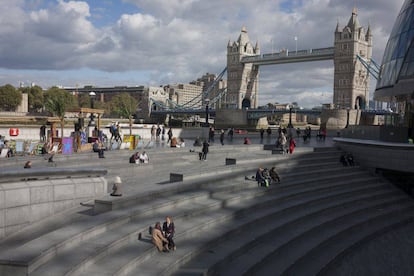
[205,147]
[168,230]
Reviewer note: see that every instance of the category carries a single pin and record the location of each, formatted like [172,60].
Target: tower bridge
[351,55]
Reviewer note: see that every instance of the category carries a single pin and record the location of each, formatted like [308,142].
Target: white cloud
[179,40]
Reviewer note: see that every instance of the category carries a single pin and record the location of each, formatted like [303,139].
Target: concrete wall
[379,155]
[337,118]
[24,201]
[378,133]
[230,118]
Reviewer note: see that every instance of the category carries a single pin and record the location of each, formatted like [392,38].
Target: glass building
[396,81]
[398,61]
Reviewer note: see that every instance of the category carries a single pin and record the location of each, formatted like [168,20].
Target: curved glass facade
[398,60]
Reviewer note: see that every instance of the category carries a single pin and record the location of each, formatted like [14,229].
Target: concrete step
[72,241]
[352,226]
[275,246]
[232,199]
[289,209]
[329,251]
[237,237]
[258,210]
[31,253]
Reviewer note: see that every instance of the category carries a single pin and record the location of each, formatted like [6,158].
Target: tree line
[57,101]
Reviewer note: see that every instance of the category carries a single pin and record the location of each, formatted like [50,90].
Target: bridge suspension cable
[372,67]
[196,101]
[199,98]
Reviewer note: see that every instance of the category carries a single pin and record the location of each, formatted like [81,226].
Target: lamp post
[290,125]
[296,44]
[347,117]
[207,101]
[92,96]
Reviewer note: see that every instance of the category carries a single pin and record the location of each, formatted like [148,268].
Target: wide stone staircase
[225,224]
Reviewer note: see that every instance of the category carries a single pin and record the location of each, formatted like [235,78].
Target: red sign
[14,132]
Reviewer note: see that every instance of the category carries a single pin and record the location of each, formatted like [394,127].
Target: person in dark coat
[169,230]
[222,137]
[274,175]
[204,150]
[170,135]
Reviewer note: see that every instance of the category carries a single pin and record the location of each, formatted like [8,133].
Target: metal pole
[347,118]
[290,118]
[296,43]
[207,113]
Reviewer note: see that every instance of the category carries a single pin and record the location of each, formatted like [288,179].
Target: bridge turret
[351,81]
[242,79]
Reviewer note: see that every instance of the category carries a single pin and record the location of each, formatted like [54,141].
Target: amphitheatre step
[116,217]
[133,235]
[326,253]
[291,208]
[351,228]
[198,235]
[274,246]
[108,203]
[114,220]
[41,249]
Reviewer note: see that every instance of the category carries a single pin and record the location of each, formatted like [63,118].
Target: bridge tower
[242,79]
[351,79]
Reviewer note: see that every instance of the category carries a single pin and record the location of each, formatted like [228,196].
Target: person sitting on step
[169,230]
[274,175]
[158,239]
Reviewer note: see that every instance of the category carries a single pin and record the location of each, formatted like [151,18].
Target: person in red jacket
[292,145]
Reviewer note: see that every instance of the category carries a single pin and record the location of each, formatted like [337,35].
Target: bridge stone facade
[242,79]
[351,79]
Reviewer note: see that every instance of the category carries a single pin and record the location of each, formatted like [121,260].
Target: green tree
[124,106]
[84,100]
[10,97]
[35,97]
[57,101]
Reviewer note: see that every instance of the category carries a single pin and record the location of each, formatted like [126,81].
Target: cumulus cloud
[179,40]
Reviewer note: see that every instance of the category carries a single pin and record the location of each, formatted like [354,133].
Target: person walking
[292,145]
[204,150]
[170,135]
[222,137]
[43,133]
[153,133]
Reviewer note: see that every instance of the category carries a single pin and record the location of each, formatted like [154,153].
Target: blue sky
[158,42]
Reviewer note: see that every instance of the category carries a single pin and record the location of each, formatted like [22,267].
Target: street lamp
[290,125]
[347,117]
[92,96]
[296,43]
[207,101]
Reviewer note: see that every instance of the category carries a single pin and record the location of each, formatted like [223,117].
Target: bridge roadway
[291,57]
